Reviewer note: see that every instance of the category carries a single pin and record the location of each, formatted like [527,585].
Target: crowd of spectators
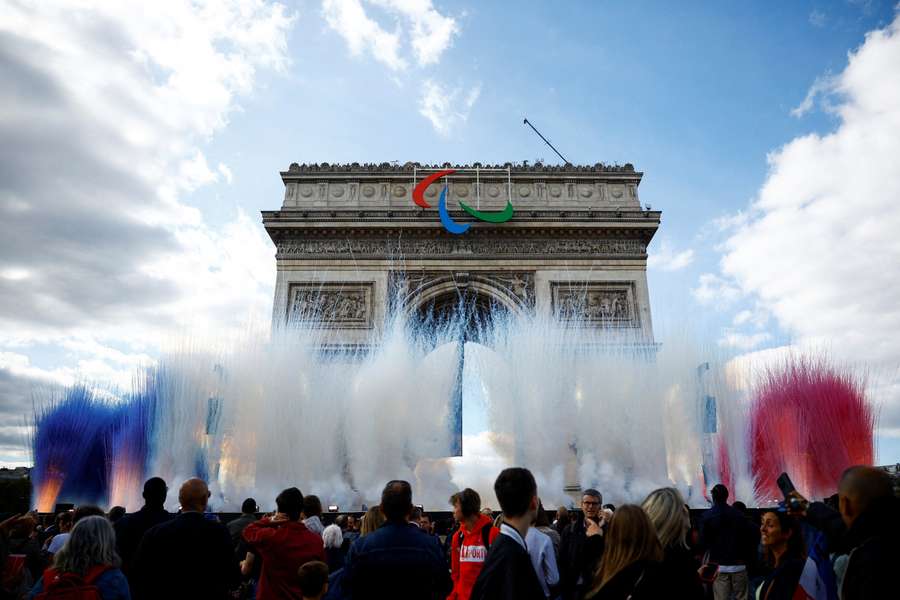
[844,548]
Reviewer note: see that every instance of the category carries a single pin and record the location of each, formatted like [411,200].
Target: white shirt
[732,568]
[507,529]
[543,558]
[57,542]
[314,524]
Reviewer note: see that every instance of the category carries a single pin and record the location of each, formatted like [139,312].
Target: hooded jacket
[467,557]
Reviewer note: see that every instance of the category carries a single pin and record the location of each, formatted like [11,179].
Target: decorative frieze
[473,246]
[344,305]
[597,303]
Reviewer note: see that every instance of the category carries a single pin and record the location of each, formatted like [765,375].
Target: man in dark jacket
[188,557]
[396,561]
[284,544]
[131,528]
[248,515]
[508,573]
[579,554]
[731,540]
[868,530]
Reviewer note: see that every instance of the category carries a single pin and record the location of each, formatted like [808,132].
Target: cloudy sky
[138,145]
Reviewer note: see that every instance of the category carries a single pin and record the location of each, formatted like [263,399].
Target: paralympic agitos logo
[449,224]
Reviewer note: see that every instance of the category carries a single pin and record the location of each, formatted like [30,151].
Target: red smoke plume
[812,421]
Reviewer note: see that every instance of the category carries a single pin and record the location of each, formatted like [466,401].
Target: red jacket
[283,547]
[467,560]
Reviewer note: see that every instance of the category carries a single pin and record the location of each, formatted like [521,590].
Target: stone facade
[351,244]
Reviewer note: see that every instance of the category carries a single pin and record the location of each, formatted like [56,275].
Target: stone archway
[473,310]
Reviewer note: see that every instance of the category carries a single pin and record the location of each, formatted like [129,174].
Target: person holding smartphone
[581,546]
[865,529]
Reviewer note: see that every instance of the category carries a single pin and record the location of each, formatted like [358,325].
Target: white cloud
[757,317]
[744,341]
[819,248]
[446,108]
[226,173]
[666,258]
[20,365]
[431,32]
[414,22]
[821,88]
[363,34]
[742,317]
[14,274]
[103,121]
[713,289]
[194,172]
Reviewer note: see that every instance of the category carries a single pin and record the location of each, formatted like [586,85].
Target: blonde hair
[631,538]
[669,516]
[372,520]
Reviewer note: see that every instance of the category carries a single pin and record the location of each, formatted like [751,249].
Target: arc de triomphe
[350,241]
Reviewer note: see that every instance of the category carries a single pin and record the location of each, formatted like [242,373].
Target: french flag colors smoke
[72,448]
[812,421]
[579,406]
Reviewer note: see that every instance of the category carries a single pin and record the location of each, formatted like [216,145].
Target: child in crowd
[313,580]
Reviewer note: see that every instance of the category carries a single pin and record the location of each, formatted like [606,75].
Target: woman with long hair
[670,517]
[87,558]
[631,566]
[784,554]
[372,520]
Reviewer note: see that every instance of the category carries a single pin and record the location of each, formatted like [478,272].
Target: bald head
[860,487]
[193,495]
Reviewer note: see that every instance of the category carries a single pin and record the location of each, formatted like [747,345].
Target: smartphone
[785,485]
[708,572]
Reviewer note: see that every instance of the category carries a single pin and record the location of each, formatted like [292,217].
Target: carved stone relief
[461,246]
[331,305]
[597,304]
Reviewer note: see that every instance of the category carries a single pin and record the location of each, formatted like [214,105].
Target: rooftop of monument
[395,168]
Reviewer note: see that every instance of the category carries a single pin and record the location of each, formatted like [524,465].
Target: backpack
[71,586]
